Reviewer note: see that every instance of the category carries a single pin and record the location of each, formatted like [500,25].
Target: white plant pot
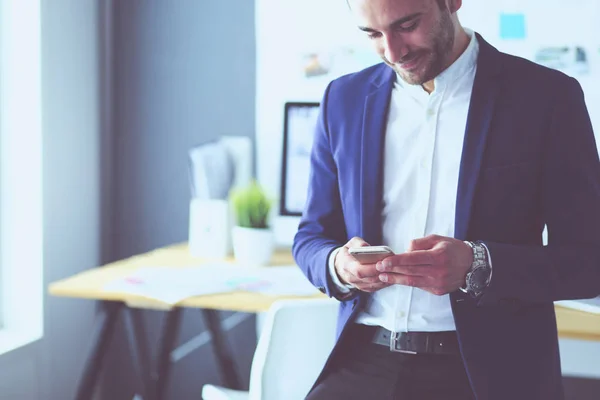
[251,246]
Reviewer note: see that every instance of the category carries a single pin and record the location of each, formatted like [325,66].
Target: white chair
[296,340]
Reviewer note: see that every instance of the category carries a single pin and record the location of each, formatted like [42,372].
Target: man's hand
[364,277]
[434,263]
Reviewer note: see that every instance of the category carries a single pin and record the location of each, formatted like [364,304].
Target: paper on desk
[587,305]
[171,285]
[281,281]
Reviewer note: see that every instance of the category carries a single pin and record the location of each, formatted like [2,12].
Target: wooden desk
[572,324]
[575,324]
[89,284]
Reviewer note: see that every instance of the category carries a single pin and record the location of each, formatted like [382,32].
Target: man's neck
[460,45]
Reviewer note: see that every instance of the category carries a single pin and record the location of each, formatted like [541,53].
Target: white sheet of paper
[171,285]
[282,281]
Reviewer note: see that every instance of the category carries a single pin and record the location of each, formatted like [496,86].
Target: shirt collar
[465,63]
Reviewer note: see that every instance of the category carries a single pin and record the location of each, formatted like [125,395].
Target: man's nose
[395,49]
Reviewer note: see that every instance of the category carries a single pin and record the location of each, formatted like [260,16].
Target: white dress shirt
[423,147]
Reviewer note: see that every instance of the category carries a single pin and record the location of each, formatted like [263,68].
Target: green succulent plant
[251,206]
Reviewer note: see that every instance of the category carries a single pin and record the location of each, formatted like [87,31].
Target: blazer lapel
[373,139]
[481,110]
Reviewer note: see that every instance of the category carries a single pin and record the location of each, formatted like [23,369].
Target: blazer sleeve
[569,266]
[322,227]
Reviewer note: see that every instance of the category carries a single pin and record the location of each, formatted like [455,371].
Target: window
[21,275]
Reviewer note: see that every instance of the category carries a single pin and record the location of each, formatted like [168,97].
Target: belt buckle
[394,342]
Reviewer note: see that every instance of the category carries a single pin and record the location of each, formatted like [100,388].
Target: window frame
[21,201]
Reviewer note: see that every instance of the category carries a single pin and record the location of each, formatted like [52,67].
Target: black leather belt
[443,343]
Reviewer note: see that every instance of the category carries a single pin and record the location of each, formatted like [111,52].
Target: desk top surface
[89,284]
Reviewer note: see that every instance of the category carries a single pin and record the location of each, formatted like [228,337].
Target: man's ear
[454,5]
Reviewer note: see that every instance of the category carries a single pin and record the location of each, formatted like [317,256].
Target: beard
[433,60]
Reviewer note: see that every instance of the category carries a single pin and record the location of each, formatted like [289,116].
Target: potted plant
[252,237]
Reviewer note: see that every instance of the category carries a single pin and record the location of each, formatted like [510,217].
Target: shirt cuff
[342,288]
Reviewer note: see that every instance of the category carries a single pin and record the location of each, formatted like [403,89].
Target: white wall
[548,23]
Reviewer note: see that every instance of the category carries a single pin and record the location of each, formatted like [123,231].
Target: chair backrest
[296,340]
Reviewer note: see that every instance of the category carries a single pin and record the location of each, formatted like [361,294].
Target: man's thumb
[356,242]
[425,243]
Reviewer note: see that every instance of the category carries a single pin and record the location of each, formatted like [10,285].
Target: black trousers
[364,370]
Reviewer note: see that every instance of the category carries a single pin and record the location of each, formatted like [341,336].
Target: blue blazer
[529,159]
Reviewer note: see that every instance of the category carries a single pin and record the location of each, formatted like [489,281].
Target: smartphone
[370,254]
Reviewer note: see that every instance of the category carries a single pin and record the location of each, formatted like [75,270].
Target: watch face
[478,278]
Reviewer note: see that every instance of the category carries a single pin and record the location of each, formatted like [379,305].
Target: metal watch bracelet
[480,263]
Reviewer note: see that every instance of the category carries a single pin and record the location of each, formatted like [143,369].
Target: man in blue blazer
[456,156]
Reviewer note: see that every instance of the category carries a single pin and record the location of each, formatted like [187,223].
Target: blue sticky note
[512,26]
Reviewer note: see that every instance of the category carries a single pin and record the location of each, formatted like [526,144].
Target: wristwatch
[480,274]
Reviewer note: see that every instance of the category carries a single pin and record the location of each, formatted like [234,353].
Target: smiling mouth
[411,64]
